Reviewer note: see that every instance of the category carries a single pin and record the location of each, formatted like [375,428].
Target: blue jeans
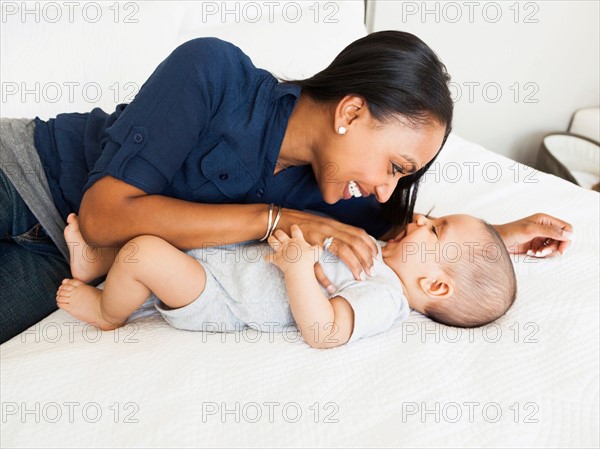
[31,266]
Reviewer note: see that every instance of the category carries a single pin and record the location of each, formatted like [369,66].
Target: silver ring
[327,243]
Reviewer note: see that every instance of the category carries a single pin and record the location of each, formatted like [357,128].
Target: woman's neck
[302,130]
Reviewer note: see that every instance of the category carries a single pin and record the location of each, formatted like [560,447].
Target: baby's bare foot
[83,302]
[85,263]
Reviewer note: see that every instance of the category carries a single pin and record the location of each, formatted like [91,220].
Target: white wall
[535,63]
[73,56]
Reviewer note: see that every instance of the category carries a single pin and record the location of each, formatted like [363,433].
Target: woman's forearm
[184,224]
[311,309]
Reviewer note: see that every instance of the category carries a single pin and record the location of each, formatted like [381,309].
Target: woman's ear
[348,109]
[436,288]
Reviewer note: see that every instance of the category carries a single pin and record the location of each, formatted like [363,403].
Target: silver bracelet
[268,223]
[279,208]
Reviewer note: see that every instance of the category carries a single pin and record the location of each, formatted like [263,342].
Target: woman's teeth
[354,190]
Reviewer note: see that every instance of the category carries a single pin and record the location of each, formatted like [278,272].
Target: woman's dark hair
[401,79]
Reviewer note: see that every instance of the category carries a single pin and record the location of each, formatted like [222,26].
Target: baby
[454,269]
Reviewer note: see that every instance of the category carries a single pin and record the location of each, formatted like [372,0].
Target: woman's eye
[397,169]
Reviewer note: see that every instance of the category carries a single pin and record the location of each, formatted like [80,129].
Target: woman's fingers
[551,227]
[372,247]
[541,247]
[560,226]
[538,235]
[357,259]
[354,248]
[351,244]
[547,247]
[353,259]
[550,236]
[553,236]
[553,231]
[323,279]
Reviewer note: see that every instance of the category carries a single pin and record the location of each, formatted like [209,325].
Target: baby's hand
[291,251]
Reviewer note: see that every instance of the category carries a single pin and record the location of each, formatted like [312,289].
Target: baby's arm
[322,323]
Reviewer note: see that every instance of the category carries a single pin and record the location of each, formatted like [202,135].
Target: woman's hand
[538,235]
[351,245]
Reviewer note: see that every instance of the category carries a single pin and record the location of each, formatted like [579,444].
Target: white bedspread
[530,380]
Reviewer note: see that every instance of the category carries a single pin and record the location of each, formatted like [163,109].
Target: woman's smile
[353,189]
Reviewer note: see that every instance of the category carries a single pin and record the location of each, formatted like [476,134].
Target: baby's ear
[436,288]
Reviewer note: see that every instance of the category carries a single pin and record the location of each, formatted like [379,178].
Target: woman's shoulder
[217,56]
[212,50]
[210,45]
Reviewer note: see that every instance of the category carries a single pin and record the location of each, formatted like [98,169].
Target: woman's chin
[331,200]
[330,197]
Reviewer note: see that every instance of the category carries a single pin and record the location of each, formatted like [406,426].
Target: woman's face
[373,155]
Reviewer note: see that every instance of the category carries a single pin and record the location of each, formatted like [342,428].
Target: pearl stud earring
[342,130]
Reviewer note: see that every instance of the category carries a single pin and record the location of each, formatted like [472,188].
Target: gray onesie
[244,290]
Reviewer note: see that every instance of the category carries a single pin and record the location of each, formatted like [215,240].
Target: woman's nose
[383,193]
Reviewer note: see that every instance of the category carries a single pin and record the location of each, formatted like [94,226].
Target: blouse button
[260,193]
[138,138]
[223,176]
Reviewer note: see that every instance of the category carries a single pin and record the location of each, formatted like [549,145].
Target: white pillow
[75,67]
[51,65]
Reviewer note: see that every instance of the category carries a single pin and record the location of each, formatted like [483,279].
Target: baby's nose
[420,219]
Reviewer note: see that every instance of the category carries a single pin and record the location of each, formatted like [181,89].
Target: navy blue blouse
[207,127]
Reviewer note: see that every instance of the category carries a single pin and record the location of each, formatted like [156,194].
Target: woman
[210,143]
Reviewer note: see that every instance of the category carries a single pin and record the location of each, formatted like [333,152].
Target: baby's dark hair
[485,285]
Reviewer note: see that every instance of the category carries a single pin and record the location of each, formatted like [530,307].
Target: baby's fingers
[296,232]
[274,242]
[281,236]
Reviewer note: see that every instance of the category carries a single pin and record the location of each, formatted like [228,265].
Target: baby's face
[419,250]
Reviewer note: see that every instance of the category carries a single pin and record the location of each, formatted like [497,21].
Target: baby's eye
[397,169]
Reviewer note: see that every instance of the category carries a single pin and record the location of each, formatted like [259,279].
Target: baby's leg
[87,262]
[157,266]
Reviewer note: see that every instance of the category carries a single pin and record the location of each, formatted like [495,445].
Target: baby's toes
[63,293]
[66,289]
[62,301]
[74,283]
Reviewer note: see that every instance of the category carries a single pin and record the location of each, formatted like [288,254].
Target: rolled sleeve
[157,131]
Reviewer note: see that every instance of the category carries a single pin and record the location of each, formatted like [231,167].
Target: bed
[529,380]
